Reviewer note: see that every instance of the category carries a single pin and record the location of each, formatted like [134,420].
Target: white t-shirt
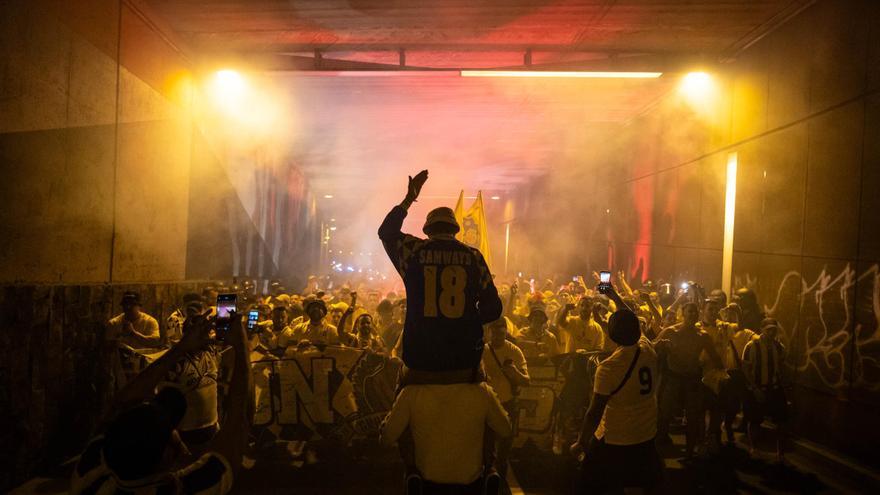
[196,377]
[631,414]
[447,424]
[495,376]
[145,325]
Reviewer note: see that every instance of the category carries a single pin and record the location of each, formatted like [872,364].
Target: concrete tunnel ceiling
[352,134]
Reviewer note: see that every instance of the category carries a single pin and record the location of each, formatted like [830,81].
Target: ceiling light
[696,84]
[496,198]
[545,73]
[328,196]
[228,89]
[376,73]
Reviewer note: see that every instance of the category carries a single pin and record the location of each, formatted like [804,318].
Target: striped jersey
[766,356]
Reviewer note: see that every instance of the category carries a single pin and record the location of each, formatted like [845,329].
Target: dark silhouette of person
[450,292]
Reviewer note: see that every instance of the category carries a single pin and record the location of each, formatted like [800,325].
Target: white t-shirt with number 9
[631,414]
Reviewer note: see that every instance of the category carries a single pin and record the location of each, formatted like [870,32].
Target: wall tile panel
[869,230]
[840,34]
[783,164]
[834,165]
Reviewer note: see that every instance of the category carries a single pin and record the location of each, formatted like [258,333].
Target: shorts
[200,436]
[612,467]
[773,405]
[431,488]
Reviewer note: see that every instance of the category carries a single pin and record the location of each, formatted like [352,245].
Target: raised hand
[415,185]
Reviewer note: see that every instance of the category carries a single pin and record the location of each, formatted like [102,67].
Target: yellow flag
[459,212]
[474,229]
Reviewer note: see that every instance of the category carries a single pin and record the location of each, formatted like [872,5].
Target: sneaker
[492,485]
[413,484]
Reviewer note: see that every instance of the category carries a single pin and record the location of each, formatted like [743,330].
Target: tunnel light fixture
[697,86]
[328,196]
[571,74]
[496,198]
[228,90]
[729,218]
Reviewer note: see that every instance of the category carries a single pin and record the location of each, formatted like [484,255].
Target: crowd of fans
[660,354]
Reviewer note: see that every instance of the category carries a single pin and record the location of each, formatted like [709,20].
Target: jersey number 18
[450,301]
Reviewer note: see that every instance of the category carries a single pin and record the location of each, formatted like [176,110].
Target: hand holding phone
[604,282]
[226,308]
[253,316]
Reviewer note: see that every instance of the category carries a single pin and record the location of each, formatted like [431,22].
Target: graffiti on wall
[830,325]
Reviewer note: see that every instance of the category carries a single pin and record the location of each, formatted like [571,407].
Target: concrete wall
[99,144]
[801,108]
[99,134]
[55,374]
[95,129]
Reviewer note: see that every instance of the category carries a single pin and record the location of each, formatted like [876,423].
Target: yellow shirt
[580,334]
[496,377]
[533,346]
[447,424]
[321,333]
[631,414]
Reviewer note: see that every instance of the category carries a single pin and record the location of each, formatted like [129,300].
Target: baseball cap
[312,301]
[130,297]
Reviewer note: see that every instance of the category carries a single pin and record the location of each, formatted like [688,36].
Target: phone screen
[253,316]
[226,303]
[604,277]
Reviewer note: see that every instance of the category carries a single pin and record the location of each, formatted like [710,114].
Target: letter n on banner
[303,396]
[262,372]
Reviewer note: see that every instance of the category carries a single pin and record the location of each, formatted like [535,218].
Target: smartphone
[684,286]
[604,280]
[253,316]
[226,304]
[574,279]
